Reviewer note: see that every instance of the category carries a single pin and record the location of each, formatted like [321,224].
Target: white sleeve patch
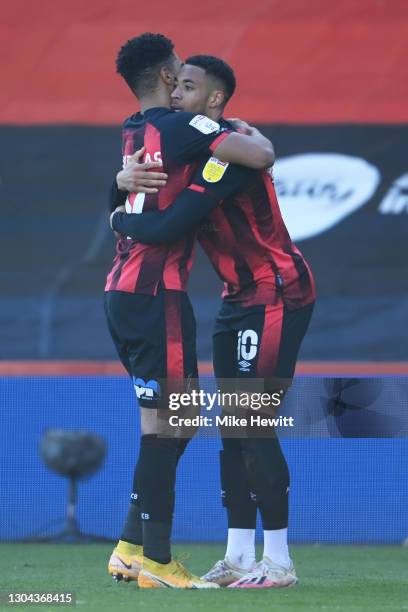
[204,124]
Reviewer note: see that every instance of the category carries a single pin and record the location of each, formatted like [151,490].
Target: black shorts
[259,342]
[155,337]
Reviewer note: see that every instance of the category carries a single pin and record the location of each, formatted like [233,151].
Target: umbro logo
[244,365]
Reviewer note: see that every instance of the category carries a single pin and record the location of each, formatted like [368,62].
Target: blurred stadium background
[327,82]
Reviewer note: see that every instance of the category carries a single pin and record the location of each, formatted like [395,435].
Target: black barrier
[344,194]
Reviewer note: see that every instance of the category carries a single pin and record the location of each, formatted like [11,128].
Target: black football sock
[269,476]
[132,530]
[156,481]
[236,496]
[157,541]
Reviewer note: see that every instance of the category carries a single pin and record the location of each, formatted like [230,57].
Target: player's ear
[167,76]
[216,99]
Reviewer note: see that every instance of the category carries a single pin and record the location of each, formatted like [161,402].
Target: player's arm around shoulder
[188,137]
[193,135]
[248,148]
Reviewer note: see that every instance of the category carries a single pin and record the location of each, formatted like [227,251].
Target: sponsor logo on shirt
[204,124]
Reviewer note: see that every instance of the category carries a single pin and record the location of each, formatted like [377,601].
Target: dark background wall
[57,247]
[319,78]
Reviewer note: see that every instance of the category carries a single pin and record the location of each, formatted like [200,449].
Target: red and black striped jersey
[179,140]
[241,231]
[248,244]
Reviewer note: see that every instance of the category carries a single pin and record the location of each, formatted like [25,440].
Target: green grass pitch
[332,578]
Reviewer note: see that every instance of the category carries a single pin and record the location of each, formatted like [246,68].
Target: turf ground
[332,578]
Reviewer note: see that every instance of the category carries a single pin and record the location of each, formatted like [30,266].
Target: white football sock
[241,547]
[276,546]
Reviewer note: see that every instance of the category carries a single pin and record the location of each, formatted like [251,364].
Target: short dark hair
[140,60]
[217,68]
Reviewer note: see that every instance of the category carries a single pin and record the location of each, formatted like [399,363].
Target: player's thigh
[181,345]
[112,322]
[181,363]
[259,342]
[250,324]
[251,340]
[225,342]
[280,336]
[295,324]
[224,347]
[165,355]
[269,339]
[138,323]
[225,370]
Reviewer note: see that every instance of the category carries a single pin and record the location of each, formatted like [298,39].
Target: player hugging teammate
[216,189]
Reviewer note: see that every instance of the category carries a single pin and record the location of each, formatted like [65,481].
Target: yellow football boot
[125,561]
[171,575]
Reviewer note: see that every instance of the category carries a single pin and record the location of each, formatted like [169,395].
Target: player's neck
[213,113]
[160,98]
